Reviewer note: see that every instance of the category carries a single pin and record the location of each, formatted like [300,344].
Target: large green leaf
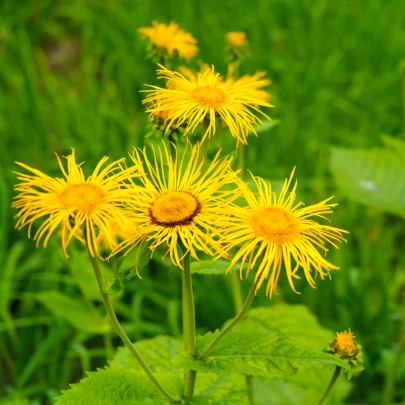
[294,321]
[301,389]
[374,177]
[271,342]
[125,383]
[261,353]
[75,311]
[120,387]
[158,352]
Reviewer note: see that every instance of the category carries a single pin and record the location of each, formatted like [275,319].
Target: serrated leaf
[125,371]
[75,311]
[301,389]
[373,177]
[294,321]
[260,354]
[158,352]
[120,387]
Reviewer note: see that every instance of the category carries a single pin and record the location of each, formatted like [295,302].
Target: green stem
[392,375]
[241,159]
[237,291]
[331,384]
[230,325]
[188,321]
[122,334]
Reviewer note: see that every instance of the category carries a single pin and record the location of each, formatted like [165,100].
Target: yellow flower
[236,39]
[253,84]
[275,230]
[73,202]
[181,202]
[192,101]
[344,342]
[171,38]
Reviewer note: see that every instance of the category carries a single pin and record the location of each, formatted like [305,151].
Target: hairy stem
[122,334]
[230,325]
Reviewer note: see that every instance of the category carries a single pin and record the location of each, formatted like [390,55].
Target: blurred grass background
[70,75]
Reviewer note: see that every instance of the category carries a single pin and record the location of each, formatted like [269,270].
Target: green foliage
[373,177]
[75,311]
[254,347]
[119,387]
[126,383]
[17,401]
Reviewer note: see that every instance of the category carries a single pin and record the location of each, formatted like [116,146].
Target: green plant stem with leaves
[122,334]
[188,321]
[238,317]
[332,382]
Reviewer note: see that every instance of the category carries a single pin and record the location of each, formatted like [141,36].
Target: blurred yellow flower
[181,202]
[190,102]
[72,202]
[171,38]
[236,39]
[273,229]
[344,342]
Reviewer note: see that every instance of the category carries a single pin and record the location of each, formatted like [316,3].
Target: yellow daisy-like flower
[73,201]
[171,38]
[181,202]
[191,102]
[273,231]
[236,39]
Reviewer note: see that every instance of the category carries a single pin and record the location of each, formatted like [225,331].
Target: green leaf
[125,383]
[120,386]
[75,311]
[271,342]
[373,177]
[158,352]
[301,389]
[294,321]
[258,353]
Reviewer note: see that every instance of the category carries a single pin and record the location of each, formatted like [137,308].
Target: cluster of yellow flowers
[178,199]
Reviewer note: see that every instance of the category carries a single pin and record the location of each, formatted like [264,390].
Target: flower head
[170,39]
[180,202]
[273,231]
[236,39]
[191,102]
[344,342]
[73,201]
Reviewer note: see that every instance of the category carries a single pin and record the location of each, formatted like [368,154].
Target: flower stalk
[238,317]
[122,334]
[332,382]
[188,321]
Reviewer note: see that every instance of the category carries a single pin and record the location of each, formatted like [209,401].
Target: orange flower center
[174,208]
[208,96]
[275,224]
[85,197]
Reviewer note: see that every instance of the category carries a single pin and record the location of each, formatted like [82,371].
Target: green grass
[70,76]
